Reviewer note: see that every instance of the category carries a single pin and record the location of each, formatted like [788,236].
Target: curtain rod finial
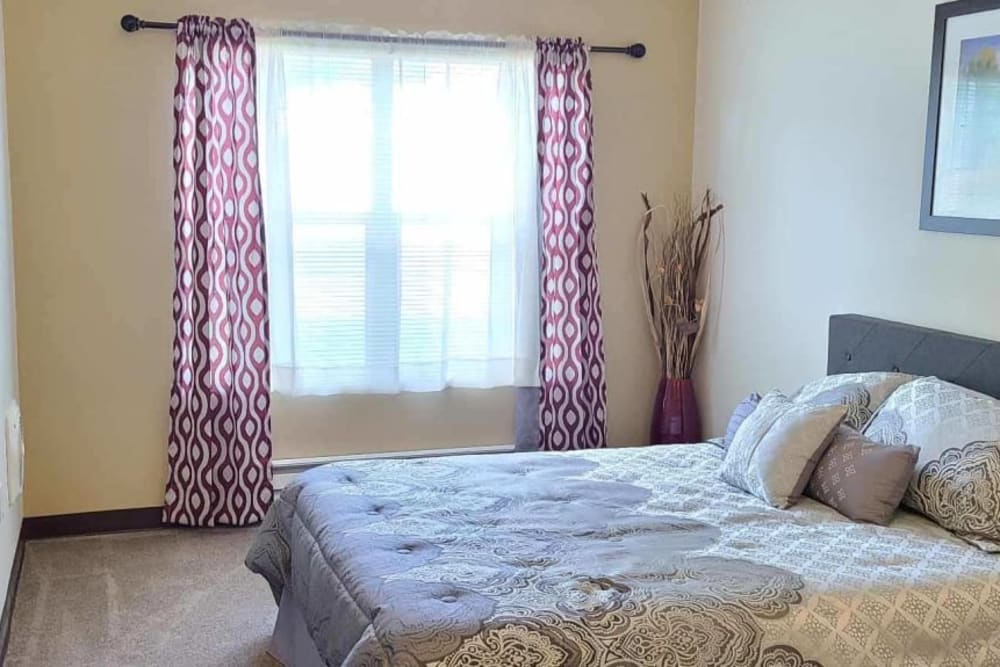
[131,23]
[637,50]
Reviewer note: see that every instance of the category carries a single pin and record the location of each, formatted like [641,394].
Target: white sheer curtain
[401,203]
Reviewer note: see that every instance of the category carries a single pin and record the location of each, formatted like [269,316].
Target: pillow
[742,411]
[862,393]
[957,480]
[776,448]
[862,479]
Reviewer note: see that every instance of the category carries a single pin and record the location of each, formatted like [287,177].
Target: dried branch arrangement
[673,259]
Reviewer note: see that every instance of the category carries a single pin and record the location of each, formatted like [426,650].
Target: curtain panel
[573,402]
[401,197]
[219,452]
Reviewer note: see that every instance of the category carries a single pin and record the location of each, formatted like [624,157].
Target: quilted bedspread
[637,556]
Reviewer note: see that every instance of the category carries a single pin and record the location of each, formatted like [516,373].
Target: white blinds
[400,191]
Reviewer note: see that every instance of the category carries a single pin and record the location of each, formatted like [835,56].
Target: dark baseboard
[87,523]
[8,605]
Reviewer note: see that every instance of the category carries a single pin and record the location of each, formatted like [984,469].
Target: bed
[632,556]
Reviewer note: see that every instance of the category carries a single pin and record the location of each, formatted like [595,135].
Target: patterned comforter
[612,557]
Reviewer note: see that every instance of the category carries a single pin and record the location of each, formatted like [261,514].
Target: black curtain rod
[132,23]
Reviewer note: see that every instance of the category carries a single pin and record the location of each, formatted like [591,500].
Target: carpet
[164,597]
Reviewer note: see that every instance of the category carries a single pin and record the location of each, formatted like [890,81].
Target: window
[401,194]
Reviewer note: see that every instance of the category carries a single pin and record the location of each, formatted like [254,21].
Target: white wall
[10,519]
[810,123]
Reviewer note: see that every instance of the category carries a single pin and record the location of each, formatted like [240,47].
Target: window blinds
[401,205]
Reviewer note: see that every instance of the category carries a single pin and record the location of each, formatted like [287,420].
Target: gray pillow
[862,393]
[957,480]
[862,479]
[776,448]
[742,411]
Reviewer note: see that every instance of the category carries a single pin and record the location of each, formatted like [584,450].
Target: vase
[675,413]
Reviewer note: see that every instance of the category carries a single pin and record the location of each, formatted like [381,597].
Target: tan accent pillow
[862,479]
[776,448]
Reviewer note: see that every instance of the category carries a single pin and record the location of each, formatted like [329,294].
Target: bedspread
[637,556]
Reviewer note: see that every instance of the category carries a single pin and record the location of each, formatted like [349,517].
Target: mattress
[632,556]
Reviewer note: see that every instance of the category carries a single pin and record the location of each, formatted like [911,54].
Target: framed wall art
[961,191]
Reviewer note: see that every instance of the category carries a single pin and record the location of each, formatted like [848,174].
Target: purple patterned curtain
[219,453]
[574,398]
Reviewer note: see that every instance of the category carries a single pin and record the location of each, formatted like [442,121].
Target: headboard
[859,343]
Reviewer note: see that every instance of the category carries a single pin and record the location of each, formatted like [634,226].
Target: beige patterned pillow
[862,479]
[957,480]
[862,393]
[775,450]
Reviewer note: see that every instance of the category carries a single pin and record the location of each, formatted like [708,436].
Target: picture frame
[961,180]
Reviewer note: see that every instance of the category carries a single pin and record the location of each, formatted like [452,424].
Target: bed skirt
[290,642]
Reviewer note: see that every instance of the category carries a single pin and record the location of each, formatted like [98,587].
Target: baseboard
[145,518]
[8,606]
[295,466]
[87,523]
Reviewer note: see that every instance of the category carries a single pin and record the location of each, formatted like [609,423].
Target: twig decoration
[674,260]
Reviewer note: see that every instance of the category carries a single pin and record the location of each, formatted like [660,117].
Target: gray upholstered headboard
[859,343]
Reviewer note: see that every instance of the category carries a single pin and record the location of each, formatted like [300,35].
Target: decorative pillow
[957,480]
[862,479]
[742,411]
[776,448]
[862,393]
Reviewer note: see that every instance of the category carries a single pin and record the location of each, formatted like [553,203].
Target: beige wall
[10,517]
[810,124]
[90,147]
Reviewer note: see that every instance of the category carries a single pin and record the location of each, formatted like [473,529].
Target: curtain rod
[132,23]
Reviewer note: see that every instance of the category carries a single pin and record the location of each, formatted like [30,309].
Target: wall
[10,519]
[810,125]
[91,129]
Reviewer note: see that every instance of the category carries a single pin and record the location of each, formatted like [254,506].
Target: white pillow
[957,479]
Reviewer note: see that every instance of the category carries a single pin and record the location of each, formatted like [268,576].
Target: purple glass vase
[675,413]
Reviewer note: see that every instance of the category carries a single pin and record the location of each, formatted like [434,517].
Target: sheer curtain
[400,178]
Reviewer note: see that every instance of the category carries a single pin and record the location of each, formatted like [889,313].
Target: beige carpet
[165,597]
